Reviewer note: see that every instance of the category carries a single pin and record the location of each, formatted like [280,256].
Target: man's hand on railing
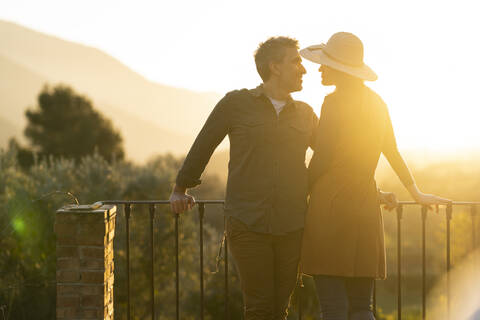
[180,201]
[388,199]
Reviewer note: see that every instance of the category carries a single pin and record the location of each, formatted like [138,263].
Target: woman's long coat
[343,233]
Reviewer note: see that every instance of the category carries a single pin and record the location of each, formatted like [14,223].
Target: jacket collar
[259,92]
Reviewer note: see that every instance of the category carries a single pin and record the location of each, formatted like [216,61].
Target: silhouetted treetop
[66,124]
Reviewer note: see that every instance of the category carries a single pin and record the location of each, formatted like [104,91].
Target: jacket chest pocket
[249,134]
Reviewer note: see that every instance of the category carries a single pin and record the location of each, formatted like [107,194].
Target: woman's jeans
[345,298]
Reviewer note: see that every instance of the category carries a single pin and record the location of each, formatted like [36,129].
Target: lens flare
[18,225]
[463,281]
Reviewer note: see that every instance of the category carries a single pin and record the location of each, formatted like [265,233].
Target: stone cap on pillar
[96,207]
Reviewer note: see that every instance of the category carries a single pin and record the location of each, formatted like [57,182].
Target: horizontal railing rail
[201,213]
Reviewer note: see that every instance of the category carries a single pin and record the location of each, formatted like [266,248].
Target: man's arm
[213,132]
[313,136]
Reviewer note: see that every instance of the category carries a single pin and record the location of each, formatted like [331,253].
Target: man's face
[290,71]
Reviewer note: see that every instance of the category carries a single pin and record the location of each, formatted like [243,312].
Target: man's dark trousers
[268,267]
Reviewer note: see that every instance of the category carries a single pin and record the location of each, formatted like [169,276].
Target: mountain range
[146,113]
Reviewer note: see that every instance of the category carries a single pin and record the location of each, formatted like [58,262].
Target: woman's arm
[400,167]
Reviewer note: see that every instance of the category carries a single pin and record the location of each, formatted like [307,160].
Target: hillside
[18,90]
[153,118]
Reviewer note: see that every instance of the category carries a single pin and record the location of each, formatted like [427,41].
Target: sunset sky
[425,52]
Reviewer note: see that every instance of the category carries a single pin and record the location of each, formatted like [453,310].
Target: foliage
[27,258]
[65,124]
[25,156]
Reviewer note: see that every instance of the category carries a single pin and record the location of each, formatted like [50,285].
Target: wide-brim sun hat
[342,52]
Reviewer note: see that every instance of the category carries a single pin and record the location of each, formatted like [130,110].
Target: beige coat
[343,233]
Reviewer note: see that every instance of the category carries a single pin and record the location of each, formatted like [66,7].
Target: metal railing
[201,213]
[448,220]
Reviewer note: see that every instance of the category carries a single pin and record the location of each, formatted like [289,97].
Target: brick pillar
[85,261]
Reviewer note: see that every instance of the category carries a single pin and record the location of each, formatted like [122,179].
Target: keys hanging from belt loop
[219,257]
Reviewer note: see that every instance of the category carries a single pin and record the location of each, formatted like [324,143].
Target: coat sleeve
[390,150]
[213,132]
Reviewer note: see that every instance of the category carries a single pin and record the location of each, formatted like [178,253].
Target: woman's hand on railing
[180,201]
[430,200]
[388,199]
[426,199]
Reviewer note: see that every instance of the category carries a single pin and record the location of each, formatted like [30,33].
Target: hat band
[340,61]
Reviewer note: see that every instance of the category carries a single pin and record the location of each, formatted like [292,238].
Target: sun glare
[427,68]
[464,281]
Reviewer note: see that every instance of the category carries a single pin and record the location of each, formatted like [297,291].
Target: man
[266,196]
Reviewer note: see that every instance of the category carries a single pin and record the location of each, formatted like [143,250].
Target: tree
[25,156]
[65,124]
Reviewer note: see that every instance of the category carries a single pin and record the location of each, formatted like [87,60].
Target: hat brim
[315,54]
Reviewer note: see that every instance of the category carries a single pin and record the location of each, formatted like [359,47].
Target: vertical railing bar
[473,211]
[474,237]
[301,287]
[449,262]
[399,262]
[152,257]
[177,280]
[201,214]
[127,224]
[374,298]
[227,310]
[424,263]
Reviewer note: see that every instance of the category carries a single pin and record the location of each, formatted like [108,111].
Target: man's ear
[274,68]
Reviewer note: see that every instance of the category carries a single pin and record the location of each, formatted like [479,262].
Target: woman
[343,243]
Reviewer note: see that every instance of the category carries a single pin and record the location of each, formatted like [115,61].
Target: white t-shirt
[278,104]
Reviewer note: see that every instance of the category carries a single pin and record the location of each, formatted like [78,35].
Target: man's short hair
[272,50]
